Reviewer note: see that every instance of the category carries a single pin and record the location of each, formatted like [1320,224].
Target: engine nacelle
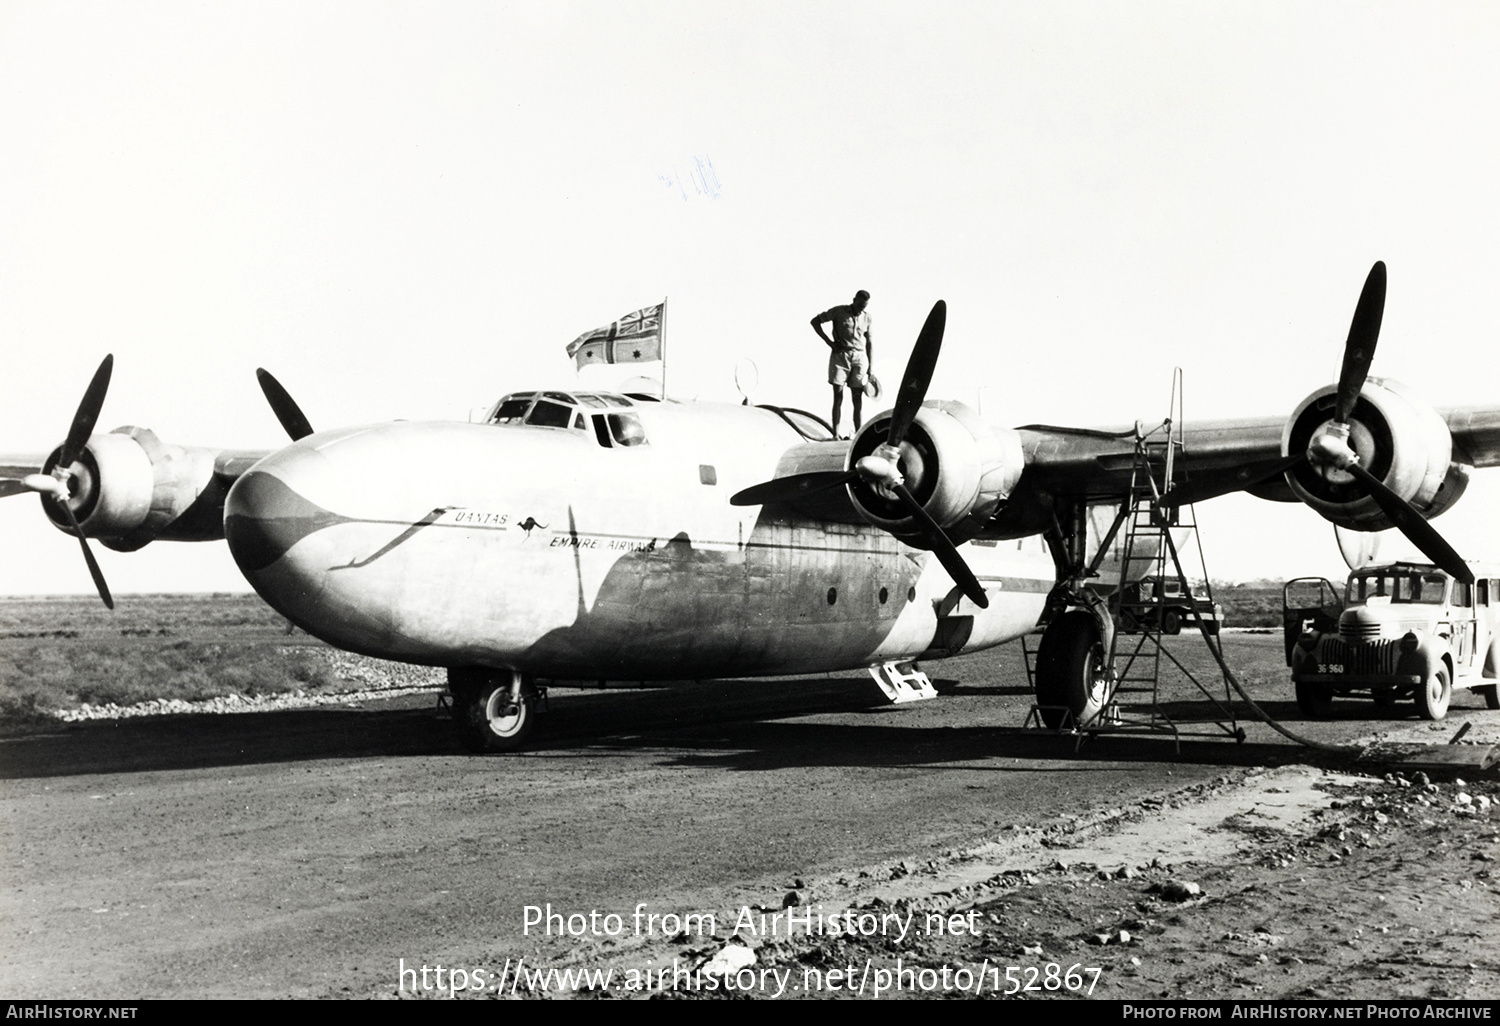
[1399,439]
[958,467]
[127,489]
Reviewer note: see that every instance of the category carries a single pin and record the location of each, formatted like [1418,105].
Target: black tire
[483,714]
[1315,700]
[1435,693]
[1070,675]
[1171,622]
[1491,694]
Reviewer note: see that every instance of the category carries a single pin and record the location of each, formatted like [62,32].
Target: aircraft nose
[264,517]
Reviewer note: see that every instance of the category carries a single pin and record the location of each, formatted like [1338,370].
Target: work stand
[1149,598]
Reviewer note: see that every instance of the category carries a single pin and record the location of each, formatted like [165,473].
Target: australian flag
[634,338]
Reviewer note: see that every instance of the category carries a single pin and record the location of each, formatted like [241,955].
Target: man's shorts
[848,367]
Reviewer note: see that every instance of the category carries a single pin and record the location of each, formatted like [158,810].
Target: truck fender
[1492,659]
[1425,661]
[1301,654]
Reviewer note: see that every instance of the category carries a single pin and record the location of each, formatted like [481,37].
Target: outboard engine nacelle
[957,467]
[1399,439]
[127,488]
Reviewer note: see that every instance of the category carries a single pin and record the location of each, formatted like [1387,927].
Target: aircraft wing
[1239,454]
[1089,462]
[12,469]
[1476,434]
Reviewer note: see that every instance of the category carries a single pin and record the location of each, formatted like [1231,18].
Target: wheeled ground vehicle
[1403,630]
[1167,604]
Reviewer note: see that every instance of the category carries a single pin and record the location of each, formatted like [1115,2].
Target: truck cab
[1403,630]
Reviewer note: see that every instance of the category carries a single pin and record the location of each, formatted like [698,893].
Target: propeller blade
[10,486]
[87,415]
[283,405]
[1211,485]
[1359,350]
[1411,523]
[945,551]
[918,376]
[88,557]
[795,486]
[1359,548]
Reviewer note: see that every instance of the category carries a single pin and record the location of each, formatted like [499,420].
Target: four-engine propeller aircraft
[579,535]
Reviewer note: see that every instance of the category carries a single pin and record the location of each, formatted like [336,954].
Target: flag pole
[663,345]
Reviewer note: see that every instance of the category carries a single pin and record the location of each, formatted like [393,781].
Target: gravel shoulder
[1291,883]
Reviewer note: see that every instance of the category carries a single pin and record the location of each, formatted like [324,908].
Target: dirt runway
[317,852]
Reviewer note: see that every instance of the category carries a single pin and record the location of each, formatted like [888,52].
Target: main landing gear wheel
[491,713]
[1435,693]
[1491,694]
[1070,673]
[1315,700]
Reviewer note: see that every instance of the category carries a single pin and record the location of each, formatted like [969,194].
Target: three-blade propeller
[1329,450]
[59,482]
[882,468]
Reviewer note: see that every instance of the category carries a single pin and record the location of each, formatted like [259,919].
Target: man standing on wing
[849,361]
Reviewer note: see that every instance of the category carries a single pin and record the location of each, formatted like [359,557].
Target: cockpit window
[511,411]
[550,414]
[626,429]
[556,409]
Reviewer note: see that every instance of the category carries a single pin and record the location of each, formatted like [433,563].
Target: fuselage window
[626,429]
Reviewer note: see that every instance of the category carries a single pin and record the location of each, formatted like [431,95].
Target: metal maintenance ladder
[1135,655]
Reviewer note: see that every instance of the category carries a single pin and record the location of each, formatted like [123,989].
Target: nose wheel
[493,710]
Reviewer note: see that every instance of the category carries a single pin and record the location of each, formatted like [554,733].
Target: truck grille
[1356,631]
[1362,658]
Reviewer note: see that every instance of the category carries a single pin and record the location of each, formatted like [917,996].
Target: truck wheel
[1435,693]
[1070,671]
[1171,622]
[486,719]
[1491,693]
[1315,700]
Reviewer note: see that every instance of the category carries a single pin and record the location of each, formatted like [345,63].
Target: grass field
[61,653]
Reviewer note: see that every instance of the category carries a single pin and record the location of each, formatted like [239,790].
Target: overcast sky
[405,210]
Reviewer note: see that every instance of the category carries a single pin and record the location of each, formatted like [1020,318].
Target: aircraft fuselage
[544,550]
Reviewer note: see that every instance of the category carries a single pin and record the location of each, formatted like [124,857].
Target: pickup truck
[1402,630]
[1143,601]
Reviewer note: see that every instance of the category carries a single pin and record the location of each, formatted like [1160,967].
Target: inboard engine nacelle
[128,488]
[1398,438]
[956,465]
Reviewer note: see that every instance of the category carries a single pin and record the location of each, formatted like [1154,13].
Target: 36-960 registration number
[1330,667]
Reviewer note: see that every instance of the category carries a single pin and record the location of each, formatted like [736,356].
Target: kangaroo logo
[530,522]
